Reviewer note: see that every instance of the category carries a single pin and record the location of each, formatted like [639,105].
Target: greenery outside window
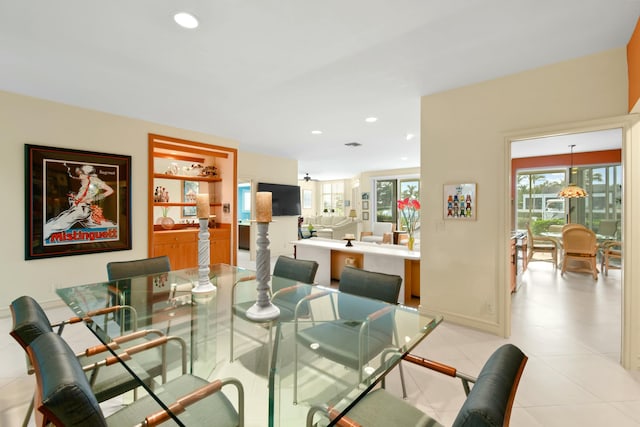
[387,193]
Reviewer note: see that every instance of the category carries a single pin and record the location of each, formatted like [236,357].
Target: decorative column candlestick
[204,259]
[263,309]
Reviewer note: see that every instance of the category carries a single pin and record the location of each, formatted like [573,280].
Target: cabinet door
[220,244]
[180,247]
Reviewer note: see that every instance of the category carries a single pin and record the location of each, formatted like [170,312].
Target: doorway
[543,166]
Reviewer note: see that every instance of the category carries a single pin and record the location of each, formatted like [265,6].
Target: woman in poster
[82,207]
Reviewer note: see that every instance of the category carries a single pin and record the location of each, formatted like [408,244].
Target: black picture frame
[76,202]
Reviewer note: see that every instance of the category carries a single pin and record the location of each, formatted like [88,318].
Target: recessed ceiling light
[404,159]
[371,119]
[410,136]
[316,132]
[186,20]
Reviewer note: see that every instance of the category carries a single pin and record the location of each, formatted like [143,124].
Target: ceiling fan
[307,178]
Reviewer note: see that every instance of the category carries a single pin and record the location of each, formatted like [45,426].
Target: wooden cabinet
[179,170]
[181,246]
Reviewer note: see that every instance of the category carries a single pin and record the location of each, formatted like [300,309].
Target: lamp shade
[353,213]
[572,191]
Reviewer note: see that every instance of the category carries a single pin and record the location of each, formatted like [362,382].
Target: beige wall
[260,168]
[464,133]
[35,121]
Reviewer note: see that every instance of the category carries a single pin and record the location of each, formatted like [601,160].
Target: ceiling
[267,73]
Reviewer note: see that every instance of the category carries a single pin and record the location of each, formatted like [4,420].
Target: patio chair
[611,256]
[488,402]
[541,244]
[580,248]
[358,333]
[608,229]
[64,397]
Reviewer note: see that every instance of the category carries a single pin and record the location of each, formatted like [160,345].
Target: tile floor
[568,326]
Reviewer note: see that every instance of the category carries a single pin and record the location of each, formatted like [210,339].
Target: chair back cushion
[579,240]
[29,320]
[123,269]
[64,395]
[491,398]
[300,270]
[380,286]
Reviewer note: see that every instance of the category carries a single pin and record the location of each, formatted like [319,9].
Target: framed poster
[365,216]
[460,201]
[365,205]
[76,202]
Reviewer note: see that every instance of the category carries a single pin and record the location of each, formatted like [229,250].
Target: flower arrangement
[409,208]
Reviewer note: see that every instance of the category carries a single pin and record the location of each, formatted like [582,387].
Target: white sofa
[377,232]
[331,227]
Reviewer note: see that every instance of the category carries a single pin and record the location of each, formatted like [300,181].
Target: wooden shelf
[167,204]
[188,178]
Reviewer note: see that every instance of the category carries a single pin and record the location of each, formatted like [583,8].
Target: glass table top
[286,366]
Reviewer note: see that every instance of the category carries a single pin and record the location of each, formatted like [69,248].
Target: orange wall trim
[633,66]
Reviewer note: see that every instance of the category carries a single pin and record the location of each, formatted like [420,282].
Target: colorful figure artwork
[460,201]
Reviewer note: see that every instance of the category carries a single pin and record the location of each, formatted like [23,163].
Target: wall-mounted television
[285,199]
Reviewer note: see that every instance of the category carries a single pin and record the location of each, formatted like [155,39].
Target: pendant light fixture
[572,191]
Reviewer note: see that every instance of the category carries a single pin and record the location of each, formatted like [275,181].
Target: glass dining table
[266,357]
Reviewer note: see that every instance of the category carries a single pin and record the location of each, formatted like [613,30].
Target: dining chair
[580,248]
[117,270]
[611,256]
[358,332]
[541,244]
[64,396]
[284,295]
[30,321]
[488,403]
[123,270]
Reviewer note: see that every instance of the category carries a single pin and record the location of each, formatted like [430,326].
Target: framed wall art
[76,202]
[365,216]
[190,190]
[460,202]
[365,205]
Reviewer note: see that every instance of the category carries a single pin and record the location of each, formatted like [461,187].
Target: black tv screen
[285,199]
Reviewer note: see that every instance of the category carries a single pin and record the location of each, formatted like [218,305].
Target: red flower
[408,208]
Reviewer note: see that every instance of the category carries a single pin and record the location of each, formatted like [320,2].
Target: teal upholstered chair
[64,397]
[122,271]
[360,331]
[488,402]
[117,270]
[283,294]
[30,321]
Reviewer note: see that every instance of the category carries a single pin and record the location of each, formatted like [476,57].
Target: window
[388,191]
[537,197]
[386,201]
[538,202]
[333,198]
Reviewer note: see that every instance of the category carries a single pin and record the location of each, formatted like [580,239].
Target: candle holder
[204,284]
[263,309]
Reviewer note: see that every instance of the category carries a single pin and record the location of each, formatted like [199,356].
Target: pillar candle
[263,206]
[202,206]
